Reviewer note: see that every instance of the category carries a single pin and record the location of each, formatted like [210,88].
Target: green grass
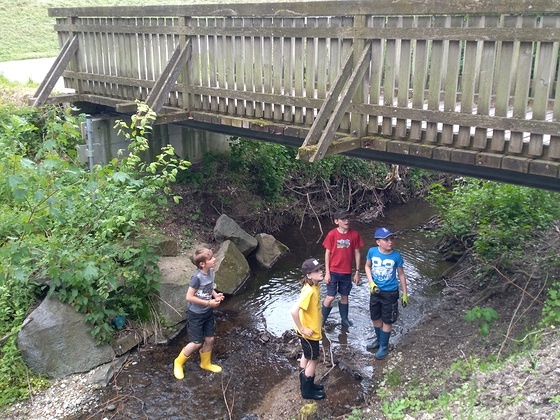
[27,31]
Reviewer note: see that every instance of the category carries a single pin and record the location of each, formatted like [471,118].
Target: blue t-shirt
[384,268]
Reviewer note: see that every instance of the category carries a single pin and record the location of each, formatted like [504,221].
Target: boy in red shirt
[342,246]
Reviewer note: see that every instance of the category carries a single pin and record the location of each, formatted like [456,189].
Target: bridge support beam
[335,105]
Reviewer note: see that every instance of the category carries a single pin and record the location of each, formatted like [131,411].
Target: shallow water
[147,388]
[272,292]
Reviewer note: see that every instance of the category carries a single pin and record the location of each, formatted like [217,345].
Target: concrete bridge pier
[189,143]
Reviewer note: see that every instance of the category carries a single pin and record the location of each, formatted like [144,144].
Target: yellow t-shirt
[310,310]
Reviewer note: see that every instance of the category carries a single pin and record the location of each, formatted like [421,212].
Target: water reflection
[154,392]
[272,292]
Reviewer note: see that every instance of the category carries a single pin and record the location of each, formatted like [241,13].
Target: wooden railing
[457,81]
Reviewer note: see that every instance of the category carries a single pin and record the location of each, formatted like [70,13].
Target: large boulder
[232,269]
[227,229]
[176,274]
[269,249]
[56,341]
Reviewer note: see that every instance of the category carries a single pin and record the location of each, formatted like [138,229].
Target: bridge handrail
[466,81]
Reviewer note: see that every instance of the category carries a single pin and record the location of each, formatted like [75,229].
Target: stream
[147,389]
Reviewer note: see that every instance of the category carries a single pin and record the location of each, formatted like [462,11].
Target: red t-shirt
[342,247]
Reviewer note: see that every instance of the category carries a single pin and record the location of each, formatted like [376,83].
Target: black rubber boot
[308,391]
[318,387]
[325,310]
[343,309]
[301,381]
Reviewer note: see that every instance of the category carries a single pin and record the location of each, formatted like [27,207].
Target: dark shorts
[310,348]
[384,306]
[340,283]
[200,326]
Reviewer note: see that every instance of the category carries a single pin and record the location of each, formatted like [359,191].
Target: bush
[69,232]
[494,219]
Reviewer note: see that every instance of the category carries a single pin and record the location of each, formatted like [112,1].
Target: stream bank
[526,387]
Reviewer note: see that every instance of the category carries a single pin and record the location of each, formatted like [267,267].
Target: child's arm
[297,321]
[217,296]
[372,286]
[327,277]
[402,280]
[194,299]
[357,257]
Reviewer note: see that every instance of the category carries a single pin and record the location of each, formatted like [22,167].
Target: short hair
[202,255]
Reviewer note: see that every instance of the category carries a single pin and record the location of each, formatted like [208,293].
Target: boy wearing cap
[342,246]
[383,266]
[306,313]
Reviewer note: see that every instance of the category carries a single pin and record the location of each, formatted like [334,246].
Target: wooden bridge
[463,86]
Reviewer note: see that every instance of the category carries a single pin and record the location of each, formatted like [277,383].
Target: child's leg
[183,356]
[195,331]
[206,356]
[310,368]
[303,362]
[389,315]
[208,344]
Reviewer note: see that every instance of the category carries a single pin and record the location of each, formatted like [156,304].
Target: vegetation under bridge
[463,86]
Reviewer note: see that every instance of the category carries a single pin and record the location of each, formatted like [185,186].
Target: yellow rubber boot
[178,365]
[206,364]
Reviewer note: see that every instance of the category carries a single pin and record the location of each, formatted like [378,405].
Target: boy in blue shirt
[384,270]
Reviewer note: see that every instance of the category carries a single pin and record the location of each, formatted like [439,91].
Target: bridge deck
[411,80]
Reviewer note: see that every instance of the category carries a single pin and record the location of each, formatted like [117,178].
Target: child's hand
[404,300]
[219,297]
[307,331]
[373,287]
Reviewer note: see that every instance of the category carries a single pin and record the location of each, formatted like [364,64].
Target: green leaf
[91,272]
[120,177]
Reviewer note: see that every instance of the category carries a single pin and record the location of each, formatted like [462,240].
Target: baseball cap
[310,265]
[341,214]
[382,233]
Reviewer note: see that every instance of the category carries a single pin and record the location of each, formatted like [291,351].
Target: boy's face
[316,275]
[209,263]
[386,244]
[342,223]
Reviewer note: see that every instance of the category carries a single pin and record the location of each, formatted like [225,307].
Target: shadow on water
[250,367]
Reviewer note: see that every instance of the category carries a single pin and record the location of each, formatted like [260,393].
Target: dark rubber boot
[343,308]
[383,345]
[309,392]
[375,343]
[301,379]
[325,310]
[318,387]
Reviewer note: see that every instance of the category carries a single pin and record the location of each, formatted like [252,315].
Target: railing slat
[458,86]
[522,83]
[486,82]
[299,74]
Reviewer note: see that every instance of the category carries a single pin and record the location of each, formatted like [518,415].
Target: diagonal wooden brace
[336,103]
[58,67]
[169,76]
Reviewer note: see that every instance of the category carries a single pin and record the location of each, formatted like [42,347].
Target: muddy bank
[268,389]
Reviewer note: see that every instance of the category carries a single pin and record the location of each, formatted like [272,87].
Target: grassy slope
[27,31]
